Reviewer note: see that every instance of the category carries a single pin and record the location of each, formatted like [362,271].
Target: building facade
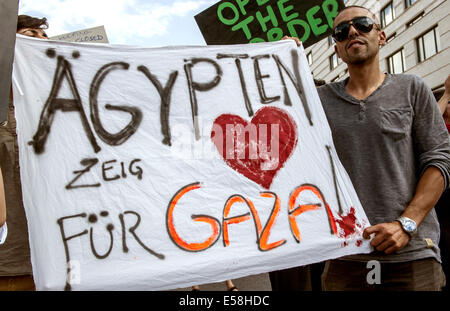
[418,41]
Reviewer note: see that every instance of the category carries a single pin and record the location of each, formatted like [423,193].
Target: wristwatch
[408,225]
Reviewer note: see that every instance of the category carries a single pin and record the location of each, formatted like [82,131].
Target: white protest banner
[161,168]
[90,35]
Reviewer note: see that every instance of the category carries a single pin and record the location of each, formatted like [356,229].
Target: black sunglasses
[363,23]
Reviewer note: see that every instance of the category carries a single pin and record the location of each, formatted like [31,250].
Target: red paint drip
[347,223]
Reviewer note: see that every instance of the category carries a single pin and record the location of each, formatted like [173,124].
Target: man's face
[359,46]
[33,32]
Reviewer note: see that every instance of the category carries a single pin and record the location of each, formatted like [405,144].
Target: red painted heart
[259,149]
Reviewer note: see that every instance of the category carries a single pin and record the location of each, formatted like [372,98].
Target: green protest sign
[251,21]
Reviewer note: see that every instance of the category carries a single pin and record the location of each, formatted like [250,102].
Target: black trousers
[305,278]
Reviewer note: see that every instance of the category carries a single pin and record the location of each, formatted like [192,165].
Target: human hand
[447,85]
[297,40]
[389,237]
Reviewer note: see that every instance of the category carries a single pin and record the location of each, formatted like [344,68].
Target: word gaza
[262,233]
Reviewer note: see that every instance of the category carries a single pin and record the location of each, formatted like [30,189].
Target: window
[414,20]
[334,61]
[391,37]
[396,63]
[342,74]
[408,3]
[330,40]
[387,15]
[310,59]
[428,44]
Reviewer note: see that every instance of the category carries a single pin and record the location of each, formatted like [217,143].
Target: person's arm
[443,102]
[2,201]
[432,148]
[390,237]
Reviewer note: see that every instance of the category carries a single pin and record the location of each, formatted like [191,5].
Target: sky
[133,22]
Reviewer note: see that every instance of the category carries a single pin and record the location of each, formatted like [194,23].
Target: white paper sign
[161,168]
[90,35]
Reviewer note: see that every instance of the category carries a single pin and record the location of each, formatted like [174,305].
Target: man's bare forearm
[428,191]
[390,237]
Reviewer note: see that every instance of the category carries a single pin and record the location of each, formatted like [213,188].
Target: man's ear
[382,37]
[337,51]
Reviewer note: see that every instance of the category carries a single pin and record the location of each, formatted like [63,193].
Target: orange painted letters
[295,211]
[192,247]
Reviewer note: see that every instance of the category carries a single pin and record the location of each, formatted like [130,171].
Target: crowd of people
[391,135]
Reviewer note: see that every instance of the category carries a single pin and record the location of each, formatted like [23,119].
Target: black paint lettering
[124,175]
[165,94]
[92,218]
[296,81]
[334,179]
[89,163]
[238,58]
[65,239]
[124,234]
[51,53]
[202,87]
[53,103]
[136,114]
[287,99]
[76,54]
[259,80]
[109,228]
[138,172]
[132,230]
[104,169]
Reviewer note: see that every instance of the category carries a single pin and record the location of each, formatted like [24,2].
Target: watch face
[410,226]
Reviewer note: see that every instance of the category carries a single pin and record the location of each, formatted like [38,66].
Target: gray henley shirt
[385,143]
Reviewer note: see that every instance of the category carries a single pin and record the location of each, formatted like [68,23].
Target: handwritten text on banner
[160,168]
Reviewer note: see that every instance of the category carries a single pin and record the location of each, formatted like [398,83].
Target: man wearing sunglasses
[391,139]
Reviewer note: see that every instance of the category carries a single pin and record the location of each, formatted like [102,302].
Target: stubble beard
[360,57]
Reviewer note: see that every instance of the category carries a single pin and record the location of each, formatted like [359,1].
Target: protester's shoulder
[329,88]
[407,79]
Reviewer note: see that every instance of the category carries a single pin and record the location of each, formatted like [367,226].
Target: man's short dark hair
[361,7]
[25,21]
